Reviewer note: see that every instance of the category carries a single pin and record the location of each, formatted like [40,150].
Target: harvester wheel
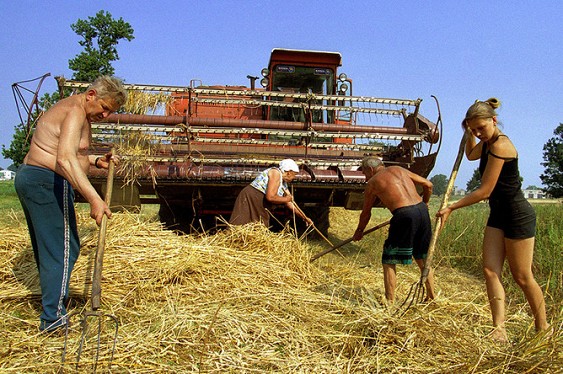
[320,216]
[175,217]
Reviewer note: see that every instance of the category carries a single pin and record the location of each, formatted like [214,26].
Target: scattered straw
[248,300]
[140,102]
[135,149]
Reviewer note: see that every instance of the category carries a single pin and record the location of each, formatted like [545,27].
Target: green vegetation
[8,201]
[460,246]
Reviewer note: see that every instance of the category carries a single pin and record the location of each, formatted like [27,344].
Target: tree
[552,176]
[23,132]
[474,182]
[101,34]
[440,182]
[94,61]
[19,145]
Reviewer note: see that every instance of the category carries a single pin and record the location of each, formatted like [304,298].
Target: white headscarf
[288,164]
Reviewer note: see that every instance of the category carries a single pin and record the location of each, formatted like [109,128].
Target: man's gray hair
[109,87]
[371,161]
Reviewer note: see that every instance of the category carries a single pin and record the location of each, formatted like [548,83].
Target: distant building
[534,194]
[459,191]
[6,175]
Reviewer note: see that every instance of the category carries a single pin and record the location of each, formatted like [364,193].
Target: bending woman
[510,230]
[270,187]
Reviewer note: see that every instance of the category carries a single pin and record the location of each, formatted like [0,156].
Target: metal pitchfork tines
[97,326]
[417,291]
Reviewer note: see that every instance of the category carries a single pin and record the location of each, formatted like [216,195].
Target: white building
[6,175]
[534,194]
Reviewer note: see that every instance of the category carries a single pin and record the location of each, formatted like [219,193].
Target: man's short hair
[371,161]
[109,87]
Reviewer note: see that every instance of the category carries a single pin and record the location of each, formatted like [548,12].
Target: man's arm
[69,166]
[369,199]
[427,186]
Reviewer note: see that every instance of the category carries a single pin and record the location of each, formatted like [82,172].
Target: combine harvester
[192,149]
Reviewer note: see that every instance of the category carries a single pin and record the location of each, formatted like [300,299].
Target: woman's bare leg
[493,260]
[519,253]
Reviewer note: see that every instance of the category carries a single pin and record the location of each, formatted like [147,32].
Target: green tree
[474,182]
[440,182]
[19,146]
[101,35]
[22,132]
[552,176]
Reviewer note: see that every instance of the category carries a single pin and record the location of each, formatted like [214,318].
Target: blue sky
[456,50]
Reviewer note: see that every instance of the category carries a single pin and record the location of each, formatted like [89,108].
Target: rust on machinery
[213,140]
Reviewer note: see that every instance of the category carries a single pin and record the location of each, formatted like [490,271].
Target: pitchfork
[344,242]
[312,224]
[95,322]
[417,291]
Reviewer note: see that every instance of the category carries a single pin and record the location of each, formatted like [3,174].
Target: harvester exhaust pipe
[252,81]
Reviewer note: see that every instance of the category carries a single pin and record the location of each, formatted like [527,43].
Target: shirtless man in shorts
[410,230]
[55,166]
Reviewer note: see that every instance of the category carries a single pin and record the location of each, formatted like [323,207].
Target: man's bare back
[394,187]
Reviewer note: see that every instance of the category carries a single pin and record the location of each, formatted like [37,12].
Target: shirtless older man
[55,166]
[410,230]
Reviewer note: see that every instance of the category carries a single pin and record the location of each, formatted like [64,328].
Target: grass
[460,246]
[8,199]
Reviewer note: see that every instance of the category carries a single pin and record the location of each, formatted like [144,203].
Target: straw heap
[248,300]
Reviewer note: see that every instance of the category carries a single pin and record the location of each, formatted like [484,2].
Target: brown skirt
[250,206]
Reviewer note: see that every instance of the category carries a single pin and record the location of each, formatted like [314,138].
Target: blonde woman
[510,230]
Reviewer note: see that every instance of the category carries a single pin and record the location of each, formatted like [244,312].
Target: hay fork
[95,322]
[417,291]
[344,242]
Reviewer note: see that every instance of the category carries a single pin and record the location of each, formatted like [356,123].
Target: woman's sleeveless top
[261,182]
[508,184]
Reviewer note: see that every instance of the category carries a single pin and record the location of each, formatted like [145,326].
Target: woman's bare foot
[499,335]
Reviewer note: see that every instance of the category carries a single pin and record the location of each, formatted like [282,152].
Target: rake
[94,323]
[344,242]
[417,290]
[297,208]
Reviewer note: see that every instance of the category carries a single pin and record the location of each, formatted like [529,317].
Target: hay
[247,300]
[140,102]
[135,149]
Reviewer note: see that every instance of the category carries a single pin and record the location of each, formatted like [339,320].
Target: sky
[458,51]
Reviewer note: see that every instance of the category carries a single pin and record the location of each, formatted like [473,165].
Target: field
[247,300]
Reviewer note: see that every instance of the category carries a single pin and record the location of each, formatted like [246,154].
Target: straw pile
[248,300]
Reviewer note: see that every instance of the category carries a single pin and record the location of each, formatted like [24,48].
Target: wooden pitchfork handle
[97,273]
[438,222]
[320,254]
[312,224]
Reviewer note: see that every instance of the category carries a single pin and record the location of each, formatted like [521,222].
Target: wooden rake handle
[97,273]
[438,222]
[312,224]
[320,254]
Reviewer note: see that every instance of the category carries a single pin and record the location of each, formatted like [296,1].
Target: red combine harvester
[203,144]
